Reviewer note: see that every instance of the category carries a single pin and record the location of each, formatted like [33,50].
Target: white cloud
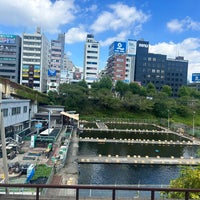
[31,13]
[189,48]
[120,17]
[176,25]
[76,34]
[119,37]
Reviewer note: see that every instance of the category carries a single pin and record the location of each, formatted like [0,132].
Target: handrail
[113,188]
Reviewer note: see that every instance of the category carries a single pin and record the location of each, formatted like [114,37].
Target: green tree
[121,87]
[189,178]
[167,89]
[105,82]
[83,84]
[53,96]
[184,91]
[135,88]
[151,89]
[105,100]
[73,97]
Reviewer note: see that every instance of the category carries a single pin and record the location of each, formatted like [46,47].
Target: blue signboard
[51,72]
[120,47]
[196,77]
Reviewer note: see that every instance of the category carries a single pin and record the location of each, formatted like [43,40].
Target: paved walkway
[69,173]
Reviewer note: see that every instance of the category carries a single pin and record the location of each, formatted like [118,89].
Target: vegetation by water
[131,101]
[189,178]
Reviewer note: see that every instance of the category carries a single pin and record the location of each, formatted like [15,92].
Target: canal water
[131,174]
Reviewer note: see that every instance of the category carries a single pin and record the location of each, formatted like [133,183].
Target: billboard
[51,72]
[195,77]
[132,45]
[7,39]
[119,47]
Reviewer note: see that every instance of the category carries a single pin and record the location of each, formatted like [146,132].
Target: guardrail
[113,189]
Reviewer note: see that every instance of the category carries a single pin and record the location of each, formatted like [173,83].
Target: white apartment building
[35,61]
[91,59]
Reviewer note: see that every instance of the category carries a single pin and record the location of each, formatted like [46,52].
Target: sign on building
[120,47]
[51,72]
[132,45]
[7,39]
[195,77]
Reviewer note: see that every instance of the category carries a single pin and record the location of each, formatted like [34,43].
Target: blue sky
[171,27]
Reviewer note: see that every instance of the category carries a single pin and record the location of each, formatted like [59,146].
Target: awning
[73,116]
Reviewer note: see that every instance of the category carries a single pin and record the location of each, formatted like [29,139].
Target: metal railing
[113,188]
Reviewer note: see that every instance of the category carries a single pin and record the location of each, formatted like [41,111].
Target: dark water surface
[130,174]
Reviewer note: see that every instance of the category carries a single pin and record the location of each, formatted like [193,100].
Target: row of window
[7,70]
[92,52]
[7,58]
[92,63]
[8,53]
[31,60]
[7,48]
[31,49]
[7,65]
[33,43]
[32,37]
[15,111]
[92,57]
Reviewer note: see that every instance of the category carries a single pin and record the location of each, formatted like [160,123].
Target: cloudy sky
[171,27]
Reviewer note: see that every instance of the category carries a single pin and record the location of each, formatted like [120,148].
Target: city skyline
[172,28]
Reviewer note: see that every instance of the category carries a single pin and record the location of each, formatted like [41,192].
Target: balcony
[40,191]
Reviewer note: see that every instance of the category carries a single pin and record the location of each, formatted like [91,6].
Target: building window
[5,112]
[25,109]
[16,110]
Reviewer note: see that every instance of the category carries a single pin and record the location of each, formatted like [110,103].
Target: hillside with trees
[103,100]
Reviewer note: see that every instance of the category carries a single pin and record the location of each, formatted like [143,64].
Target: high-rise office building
[158,69]
[10,52]
[91,59]
[35,61]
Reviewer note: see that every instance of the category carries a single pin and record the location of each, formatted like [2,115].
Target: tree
[105,82]
[189,178]
[53,96]
[167,89]
[73,97]
[184,91]
[121,87]
[151,89]
[135,88]
[83,83]
[105,100]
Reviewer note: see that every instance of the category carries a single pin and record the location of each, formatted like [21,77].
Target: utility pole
[3,142]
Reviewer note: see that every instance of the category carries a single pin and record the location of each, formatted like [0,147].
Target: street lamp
[193,124]
[168,119]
